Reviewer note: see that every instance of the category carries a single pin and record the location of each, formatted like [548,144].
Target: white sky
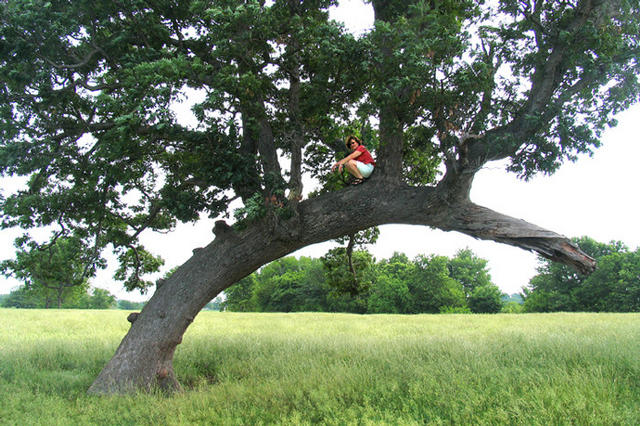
[595,196]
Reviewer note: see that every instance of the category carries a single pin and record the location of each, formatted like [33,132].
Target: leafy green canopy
[88,94]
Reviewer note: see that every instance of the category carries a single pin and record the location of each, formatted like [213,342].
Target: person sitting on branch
[359,163]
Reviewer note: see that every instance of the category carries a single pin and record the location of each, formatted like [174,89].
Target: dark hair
[350,138]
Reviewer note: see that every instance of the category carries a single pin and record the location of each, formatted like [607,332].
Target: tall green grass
[334,369]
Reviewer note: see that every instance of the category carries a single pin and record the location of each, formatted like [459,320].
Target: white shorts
[365,169]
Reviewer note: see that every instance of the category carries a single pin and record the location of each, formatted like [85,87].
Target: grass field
[333,369]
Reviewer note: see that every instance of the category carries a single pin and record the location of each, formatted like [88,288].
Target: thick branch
[481,222]
[268,153]
[546,77]
[437,207]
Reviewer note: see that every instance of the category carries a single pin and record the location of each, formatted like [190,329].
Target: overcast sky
[596,196]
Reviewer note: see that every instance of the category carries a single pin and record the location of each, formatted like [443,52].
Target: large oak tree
[438,88]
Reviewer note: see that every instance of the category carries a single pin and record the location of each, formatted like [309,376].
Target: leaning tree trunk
[144,358]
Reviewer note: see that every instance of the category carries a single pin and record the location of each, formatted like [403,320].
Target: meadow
[308,368]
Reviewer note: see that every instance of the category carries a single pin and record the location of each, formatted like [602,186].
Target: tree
[285,285]
[25,297]
[279,286]
[389,295]
[482,295]
[486,299]
[129,305]
[614,286]
[86,95]
[390,288]
[22,298]
[101,299]
[55,271]
[239,297]
[431,287]
[469,270]
[215,304]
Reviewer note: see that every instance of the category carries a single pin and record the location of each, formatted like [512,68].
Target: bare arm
[352,156]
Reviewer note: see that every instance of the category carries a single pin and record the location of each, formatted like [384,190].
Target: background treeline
[345,280]
[359,284]
[432,284]
[26,297]
[94,298]
[613,287]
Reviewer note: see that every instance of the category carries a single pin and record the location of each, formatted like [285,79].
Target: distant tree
[77,298]
[215,304]
[22,298]
[315,289]
[512,307]
[432,288]
[290,284]
[388,295]
[280,293]
[485,299]
[397,266]
[55,270]
[101,299]
[239,297]
[285,285]
[348,274]
[390,289]
[614,286]
[469,270]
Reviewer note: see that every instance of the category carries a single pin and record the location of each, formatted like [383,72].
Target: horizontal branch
[355,209]
[483,223]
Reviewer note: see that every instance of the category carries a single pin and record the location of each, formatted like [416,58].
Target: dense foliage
[613,287]
[396,285]
[82,298]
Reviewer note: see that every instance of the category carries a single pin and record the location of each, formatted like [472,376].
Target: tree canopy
[436,89]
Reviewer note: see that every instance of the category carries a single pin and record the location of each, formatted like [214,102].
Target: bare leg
[353,169]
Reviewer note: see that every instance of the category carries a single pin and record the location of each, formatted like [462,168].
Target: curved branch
[483,223]
[505,141]
[436,207]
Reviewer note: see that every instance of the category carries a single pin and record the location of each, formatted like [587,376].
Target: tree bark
[144,358]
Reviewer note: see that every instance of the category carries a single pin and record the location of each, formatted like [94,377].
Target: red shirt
[365,157]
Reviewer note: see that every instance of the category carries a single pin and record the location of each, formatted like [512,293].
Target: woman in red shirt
[359,163]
